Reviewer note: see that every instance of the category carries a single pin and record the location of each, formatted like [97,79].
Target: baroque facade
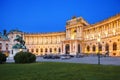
[79,37]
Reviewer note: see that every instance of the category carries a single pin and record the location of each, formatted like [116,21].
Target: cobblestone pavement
[86,60]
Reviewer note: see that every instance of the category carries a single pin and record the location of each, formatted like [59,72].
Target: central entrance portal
[71,47]
[67,49]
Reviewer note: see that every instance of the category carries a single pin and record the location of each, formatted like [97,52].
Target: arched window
[78,48]
[94,48]
[100,47]
[55,49]
[6,44]
[67,49]
[41,50]
[107,47]
[37,50]
[45,49]
[88,48]
[6,47]
[59,50]
[114,46]
[32,50]
[50,50]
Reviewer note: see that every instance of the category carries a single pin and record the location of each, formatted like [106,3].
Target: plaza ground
[85,60]
[58,71]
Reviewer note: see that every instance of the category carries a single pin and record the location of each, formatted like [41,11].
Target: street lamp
[20,50]
[98,40]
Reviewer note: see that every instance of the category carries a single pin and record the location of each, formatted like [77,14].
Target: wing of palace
[79,37]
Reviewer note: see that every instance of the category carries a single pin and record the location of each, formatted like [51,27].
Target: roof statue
[20,44]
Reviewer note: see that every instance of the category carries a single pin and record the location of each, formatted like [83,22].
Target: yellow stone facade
[44,43]
[79,37]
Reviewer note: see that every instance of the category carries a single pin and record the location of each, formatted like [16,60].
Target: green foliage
[24,57]
[2,58]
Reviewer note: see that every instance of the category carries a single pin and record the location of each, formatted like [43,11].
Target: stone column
[119,23]
[32,40]
[61,47]
[67,33]
[77,32]
[36,39]
[109,29]
[70,45]
[103,49]
[97,48]
[64,48]
[110,49]
[80,33]
[118,48]
[90,48]
[117,29]
[119,26]
[25,39]
[28,40]
[41,40]
[85,49]
[76,47]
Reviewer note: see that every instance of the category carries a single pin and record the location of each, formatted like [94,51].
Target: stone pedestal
[14,51]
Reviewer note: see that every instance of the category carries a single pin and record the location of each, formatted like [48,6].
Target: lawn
[58,71]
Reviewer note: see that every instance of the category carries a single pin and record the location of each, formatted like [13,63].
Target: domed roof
[3,37]
[14,30]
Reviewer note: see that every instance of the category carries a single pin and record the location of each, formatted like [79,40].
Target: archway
[107,47]
[32,50]
[93,48]
[67,49]
[36,50]
[114,46]
[59,50]
[88,48]
[45,50]
[41,50]
[55,50]
[50,50]
[100,47]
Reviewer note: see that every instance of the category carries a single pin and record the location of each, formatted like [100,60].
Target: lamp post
[20,50]
[98,40]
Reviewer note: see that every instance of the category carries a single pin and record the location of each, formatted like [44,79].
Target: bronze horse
[20,40]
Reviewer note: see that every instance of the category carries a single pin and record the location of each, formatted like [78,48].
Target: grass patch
[58,71]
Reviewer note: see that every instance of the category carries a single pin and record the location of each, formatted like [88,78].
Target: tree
[2,58]
[24,57]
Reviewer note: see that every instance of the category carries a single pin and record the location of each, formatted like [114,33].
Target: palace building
[79,37]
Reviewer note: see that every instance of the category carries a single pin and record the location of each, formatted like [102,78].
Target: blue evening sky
[51,15]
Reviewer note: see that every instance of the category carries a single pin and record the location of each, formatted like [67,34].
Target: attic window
[75,31]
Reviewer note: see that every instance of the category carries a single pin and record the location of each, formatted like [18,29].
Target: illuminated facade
[79,37]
